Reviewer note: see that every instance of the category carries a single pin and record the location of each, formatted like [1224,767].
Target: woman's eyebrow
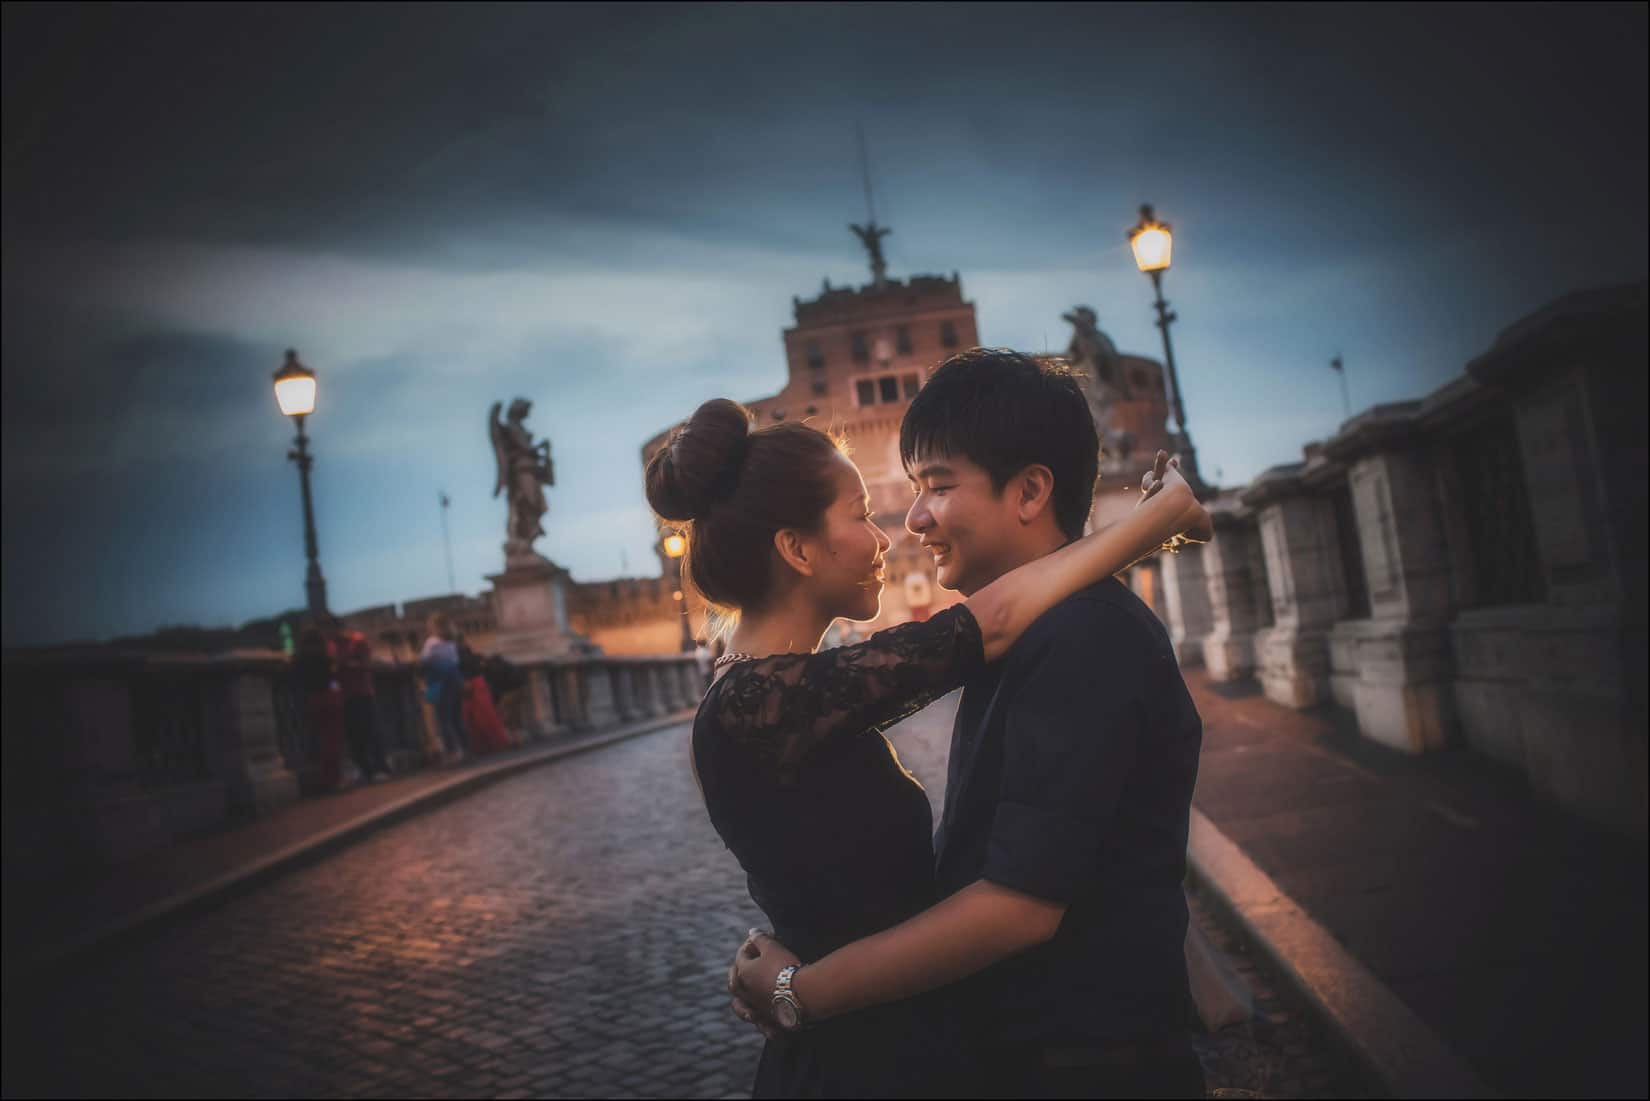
[933,470]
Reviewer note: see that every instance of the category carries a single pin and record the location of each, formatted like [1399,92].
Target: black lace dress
[836,837]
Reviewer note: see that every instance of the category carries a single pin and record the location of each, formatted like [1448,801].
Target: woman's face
[848,578]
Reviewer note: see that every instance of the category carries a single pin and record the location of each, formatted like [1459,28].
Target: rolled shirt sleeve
[1070,739]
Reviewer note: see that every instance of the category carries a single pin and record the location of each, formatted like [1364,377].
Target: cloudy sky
[608,209]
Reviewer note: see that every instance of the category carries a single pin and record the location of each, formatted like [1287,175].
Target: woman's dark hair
[735,487]
[1004,411]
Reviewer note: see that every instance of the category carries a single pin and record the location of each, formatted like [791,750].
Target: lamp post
[1153,244]
[295,393]
[675,545]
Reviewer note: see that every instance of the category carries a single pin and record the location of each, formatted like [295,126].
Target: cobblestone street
[563,933]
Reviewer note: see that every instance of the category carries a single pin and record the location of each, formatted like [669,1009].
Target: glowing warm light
[675,544]
[1152,245]
[295,387]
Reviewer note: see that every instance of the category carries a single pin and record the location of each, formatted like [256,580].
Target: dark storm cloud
[607,208]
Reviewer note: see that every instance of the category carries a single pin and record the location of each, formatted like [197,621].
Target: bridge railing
[109,754]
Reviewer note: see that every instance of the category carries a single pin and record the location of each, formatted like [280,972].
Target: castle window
[821,386]
[862,348]
[948,334]
[912,384]
[902,340]
[866,391]
[890,388]
[816,357]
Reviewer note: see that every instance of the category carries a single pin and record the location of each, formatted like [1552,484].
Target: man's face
[967,526]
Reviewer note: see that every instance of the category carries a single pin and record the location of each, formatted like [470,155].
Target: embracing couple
[1034,945]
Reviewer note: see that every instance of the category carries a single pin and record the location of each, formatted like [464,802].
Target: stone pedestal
[530,603]
[256,776]
[1396,664]
[1297,531]
[1186,600]
[1228,562]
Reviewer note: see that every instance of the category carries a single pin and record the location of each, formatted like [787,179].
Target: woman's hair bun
[701,463]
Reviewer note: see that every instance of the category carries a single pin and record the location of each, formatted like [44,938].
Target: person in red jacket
[366,744]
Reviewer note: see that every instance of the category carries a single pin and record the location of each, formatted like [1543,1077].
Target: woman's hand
[1165,471]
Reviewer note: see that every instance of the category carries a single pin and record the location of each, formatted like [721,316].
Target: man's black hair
[1003,411]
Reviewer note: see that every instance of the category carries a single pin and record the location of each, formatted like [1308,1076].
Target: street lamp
[675,545]
[1153,246]
[295,394]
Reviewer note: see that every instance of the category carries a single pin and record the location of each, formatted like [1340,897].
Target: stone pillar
[573,694]
[541,711]
[693,684]
[1186,599]
[668,685]
[1297,531]
[648,689]
[625,694]
[254,772]
[1402,691]
[606,691]
[1229,647]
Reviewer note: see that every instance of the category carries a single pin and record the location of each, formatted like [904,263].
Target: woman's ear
[794,551]
[1035,492]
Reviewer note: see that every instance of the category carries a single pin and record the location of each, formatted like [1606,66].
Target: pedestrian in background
[486,729]
[354,668]
[323,704]
[444,686]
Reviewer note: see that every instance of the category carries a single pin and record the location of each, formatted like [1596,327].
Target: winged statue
[523,469]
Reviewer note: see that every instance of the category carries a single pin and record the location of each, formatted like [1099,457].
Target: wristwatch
[787,1010]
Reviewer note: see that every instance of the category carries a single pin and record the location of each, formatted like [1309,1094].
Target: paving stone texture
[562,933]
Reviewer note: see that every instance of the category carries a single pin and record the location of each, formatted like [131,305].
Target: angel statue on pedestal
[524,468]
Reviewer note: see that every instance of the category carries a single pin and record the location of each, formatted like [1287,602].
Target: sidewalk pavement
[92,914]
[1434,886]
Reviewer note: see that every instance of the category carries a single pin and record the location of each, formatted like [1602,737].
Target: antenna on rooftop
[865,175]
[870,234]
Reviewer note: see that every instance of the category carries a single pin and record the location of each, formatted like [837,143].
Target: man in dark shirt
[1062,844]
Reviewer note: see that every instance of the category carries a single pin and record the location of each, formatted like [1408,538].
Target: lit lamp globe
[1151,241]
[295,387]
[675,544]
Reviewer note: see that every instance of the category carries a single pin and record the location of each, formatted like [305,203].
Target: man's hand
[755,968]
[751,979]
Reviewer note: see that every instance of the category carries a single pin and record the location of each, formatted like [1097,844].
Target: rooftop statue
[870,235]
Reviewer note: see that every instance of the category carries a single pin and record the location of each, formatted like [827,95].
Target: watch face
[786,1014]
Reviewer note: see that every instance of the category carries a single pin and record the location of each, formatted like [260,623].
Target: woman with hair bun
[833,834]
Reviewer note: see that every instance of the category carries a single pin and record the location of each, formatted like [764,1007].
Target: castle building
[856,356]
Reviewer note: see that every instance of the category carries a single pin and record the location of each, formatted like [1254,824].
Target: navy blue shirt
[1072,766]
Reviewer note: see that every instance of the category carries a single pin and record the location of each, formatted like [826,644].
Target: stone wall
[1466,570]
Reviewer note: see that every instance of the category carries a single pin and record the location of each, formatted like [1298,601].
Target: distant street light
[1153,246]
[295,393]
[675,545]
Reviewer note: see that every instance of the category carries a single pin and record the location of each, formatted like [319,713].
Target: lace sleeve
[784,707]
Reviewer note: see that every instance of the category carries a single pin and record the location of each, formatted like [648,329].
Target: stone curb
[1394,1046]
[311,849]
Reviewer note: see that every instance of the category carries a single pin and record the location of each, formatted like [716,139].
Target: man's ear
[793,551]
[1033,492]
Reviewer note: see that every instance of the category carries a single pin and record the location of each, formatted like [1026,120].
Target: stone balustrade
[1464,569]
[111,754]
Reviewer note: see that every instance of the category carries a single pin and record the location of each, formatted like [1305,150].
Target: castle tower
[855,357]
